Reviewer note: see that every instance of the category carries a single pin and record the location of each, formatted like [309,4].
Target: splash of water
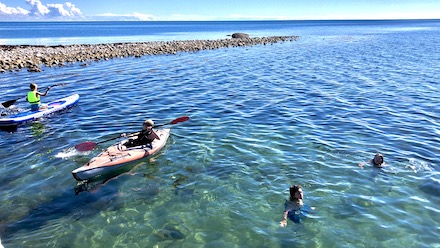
[70,152]
[418,166]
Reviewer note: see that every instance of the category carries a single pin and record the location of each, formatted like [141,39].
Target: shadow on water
[95,183]
[65,205]
[9,129]
[37,128]
[431,186]
[87,199]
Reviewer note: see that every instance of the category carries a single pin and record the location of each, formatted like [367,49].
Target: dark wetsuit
[142,139]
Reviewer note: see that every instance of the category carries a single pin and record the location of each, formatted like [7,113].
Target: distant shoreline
[34,57]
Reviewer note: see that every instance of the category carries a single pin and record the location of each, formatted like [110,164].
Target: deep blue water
[262,118]
[55,33]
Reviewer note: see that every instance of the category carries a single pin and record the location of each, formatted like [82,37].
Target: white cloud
[6,11]
[39,11]
[135,16]
[73,8]
[57,11]
[143,17]
[183,17]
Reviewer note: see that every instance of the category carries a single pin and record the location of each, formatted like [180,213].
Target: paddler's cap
[149,123]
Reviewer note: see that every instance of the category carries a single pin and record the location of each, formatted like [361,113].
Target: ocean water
[55,33]
[261,119]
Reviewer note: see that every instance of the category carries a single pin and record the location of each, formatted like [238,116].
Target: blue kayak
[27,116]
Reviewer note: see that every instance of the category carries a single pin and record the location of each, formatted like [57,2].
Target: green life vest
[33,98]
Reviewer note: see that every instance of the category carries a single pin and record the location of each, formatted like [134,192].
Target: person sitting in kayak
[295,208]
[145,136]
[33,97]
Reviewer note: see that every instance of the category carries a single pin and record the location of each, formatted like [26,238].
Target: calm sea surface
[262,118]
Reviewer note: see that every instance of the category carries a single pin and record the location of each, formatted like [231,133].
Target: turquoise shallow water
[262,118]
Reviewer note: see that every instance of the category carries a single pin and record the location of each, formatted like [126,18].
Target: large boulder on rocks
[240,36]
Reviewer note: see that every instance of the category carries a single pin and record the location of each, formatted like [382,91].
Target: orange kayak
[117,156]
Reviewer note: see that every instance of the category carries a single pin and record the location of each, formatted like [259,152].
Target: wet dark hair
[293,189]
[32,86]
[380,156]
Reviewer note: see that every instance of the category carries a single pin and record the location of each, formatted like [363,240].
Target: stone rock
[33,57]
[240,36]
[169,233]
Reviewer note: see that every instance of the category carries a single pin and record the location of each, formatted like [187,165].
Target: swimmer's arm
[364,163]
[285,214]
[283,223]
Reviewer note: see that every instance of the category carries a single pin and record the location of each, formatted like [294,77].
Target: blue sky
[215,10]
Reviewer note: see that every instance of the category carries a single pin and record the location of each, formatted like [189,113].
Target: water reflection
[307,112]
[37,129]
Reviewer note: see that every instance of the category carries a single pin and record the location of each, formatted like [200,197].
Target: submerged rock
[169,233]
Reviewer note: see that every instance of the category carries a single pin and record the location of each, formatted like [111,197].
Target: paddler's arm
[130,134]
[45,93]
[154,135]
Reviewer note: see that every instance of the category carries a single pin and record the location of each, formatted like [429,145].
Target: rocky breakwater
[33,58]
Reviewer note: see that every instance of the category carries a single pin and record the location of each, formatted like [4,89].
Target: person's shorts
[35,107]
[131,143]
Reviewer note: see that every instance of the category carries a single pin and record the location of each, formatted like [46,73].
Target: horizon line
[256,20]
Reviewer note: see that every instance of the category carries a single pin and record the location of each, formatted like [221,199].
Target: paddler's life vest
[143,137]
[33,98]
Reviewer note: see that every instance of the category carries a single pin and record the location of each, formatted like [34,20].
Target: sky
[216,10]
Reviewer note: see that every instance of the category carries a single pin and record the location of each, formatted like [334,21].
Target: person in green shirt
[33,97]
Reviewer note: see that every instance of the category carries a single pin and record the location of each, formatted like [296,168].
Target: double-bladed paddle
[89,145]
[9,103]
